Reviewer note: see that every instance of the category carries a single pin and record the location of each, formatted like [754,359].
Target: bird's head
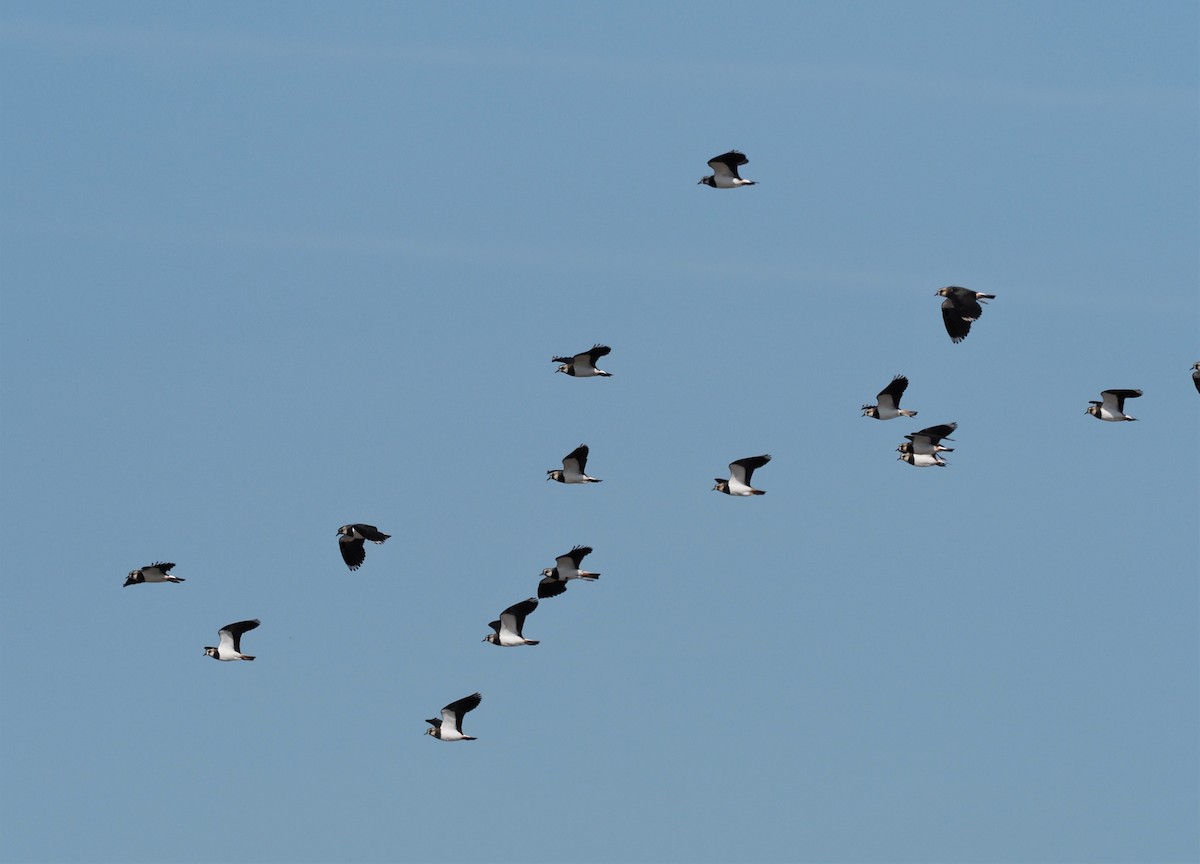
[548,572]
[710,180]
[344,531]
[210,652]
[555,474]
[491,637]
[432,730]
[563,368]
[132,578]
[905,447]
[722,485]
[869,410]
[942,292]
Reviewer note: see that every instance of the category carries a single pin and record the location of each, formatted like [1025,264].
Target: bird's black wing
[235,632]
[956,325]
[579,455]
[894,390]
[937,433]
[749,464]
[578,554]
[597,352]
[353,552]
[461,707]
[550,587]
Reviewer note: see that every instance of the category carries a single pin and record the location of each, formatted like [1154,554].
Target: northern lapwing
[351,539]
[512,621]
[583,365]
[231,641]
[449,727]
[919,460]
[740,473]
[725,171]
[159,571]
[574,468]
[566,567]
[1196,376]
[1113,406]
[960,308]
[889,401]
[927,442]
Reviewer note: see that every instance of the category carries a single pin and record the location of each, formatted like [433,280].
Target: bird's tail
[985,296]
[906,413]
[532,641]
[175,579]
[247,657]
[757,492]
[583,574]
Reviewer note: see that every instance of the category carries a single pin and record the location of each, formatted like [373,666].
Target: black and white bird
[725,171]
[740,473]
[566,567]
[919,460]
[1113,406]
[1196,376]
[351,540]
[159,571]
[231,641]
[449,727]
[583,365]
[960,308]
[574,468]
[512,622]
[889,401]
[927,442]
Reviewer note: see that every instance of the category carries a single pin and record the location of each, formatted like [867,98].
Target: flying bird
[351,539]
[574,468]
[231,641]
[566,567]
[512,622]
[159,571]
[1113,406]
[960,308]
[927,442]
[889,401]
[725,173]
[449,727]
[1196,376]
[583,365]
[919,460]
[740,473]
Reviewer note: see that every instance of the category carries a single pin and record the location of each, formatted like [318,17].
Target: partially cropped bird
[350,542]
[889,401]
[740,472]
[449,727]
[1112,407]
[583,364]
[960,308]
[230,647]
[574,468]
[159,571]
[1196,376]
[566,567]
[725,173]
[508,629]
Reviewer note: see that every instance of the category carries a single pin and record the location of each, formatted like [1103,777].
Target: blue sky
[271,268]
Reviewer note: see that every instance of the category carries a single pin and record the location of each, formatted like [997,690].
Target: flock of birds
[961,307]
